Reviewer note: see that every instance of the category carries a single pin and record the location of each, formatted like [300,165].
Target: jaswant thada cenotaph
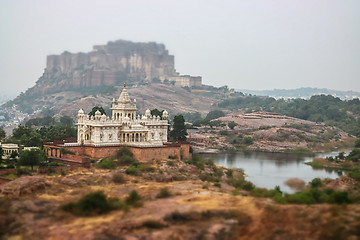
[124,127]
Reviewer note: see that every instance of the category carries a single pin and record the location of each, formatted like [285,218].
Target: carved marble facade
[124,127]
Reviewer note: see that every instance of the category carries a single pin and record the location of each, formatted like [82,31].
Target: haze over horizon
[254,45]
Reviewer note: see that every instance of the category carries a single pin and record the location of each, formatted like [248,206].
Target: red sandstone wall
[140,154]
[160,153]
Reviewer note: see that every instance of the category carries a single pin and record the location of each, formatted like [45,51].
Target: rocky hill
[161,96]
[106,65]
[74,80]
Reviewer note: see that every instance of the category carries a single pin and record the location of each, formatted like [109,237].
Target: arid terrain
[195,209]
[271,132]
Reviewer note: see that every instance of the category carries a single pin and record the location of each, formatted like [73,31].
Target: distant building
[184,80]
[8,148]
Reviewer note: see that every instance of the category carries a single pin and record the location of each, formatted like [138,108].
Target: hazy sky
[250,44]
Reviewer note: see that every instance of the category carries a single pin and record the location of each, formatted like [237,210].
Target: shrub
[125,156]
[134,199]
[170,163]
[23,171]
[126,160]
[208,177]
[107,163]
[248,141]
[217,185]
[218,172]
[153,224]
[118,177]
[93,204]
[355,174]
[173,157]
[133,170]
[164,193]
[339,197]
[146,168]
[229,173]
[354,155]
[53,164]
[301,197]
[248,186]
[316,182]
[357,143]
[260,192]
[224,133]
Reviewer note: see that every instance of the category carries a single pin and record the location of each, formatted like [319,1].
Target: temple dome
[81,112]
[165,114]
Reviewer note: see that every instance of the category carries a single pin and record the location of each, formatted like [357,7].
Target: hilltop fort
[110,65]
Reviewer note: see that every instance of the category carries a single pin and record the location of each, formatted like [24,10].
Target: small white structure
[124,127]
[8,148]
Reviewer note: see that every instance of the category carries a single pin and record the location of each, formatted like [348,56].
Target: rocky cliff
[106,65]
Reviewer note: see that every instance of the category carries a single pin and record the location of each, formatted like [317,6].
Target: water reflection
[271,169]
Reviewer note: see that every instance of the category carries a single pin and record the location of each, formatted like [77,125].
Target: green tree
[215,123]
[32,157]
[66,121]
[354,155]
[156,112]
[357,143]
[96,108]
[179,129]
[192,116]
[2,133]
[232,124]
[215,114]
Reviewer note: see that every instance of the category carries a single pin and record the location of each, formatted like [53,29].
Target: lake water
[270,169]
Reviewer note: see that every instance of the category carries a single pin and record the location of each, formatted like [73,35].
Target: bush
[164,193]
[355,174]
[107,163]
[126,160]
[170,163]
[23,171]
[224,133]
[153,224]
[316,182]
[357,143]
[125,156]
[208,177]
[339,197]
[118,177]
[134,199]
[229,173]
[93,204]
[217,185]
[248,186]
[354,155]
[248,141]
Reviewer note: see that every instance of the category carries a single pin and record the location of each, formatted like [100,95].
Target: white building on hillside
[124,127]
